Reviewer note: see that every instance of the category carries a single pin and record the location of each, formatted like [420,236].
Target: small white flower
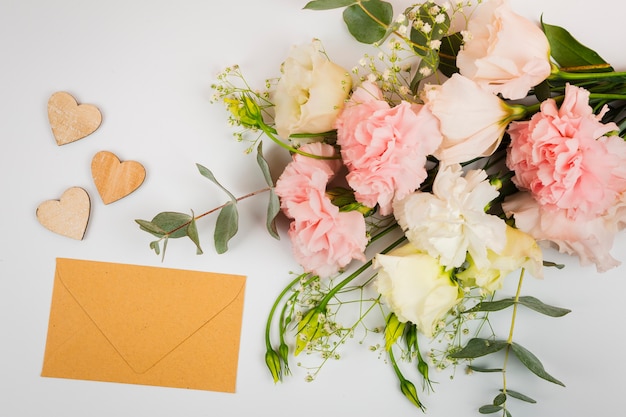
[435,44]
[440,18]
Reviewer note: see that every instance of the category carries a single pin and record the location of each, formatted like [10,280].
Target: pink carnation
[563,158]
[590,239]
[385,147]
[324,239]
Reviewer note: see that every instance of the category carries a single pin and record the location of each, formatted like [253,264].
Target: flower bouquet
[423,178]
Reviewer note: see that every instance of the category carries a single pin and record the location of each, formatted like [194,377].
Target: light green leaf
[192,232]
[368,20]
[226,226]
[540,307]
[520,396]
[568,52]
[155,247]
[205,172]
[489,409]
[393,330]
[477,347]
[328,4]
[532,363]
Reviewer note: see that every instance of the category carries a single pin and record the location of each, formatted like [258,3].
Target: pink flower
[385,147]
[563,159]
[505,53]
[324,239]
[590,239]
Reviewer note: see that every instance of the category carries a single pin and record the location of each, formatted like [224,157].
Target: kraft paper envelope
[144,325]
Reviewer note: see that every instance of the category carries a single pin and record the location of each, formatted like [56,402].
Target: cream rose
[505,53]
[415,287]
[520,251]
[310,93]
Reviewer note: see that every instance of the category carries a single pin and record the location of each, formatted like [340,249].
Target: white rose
[472,120]
[505,53]
[415,287]
[310,93]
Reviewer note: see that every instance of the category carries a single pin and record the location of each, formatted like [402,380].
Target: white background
[148,65]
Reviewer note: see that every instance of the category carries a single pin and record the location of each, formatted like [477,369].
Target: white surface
[148,66]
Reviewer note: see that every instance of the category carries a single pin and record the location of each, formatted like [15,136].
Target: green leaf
[540,307]
[273,208]
[174,224]
[484,370]
[542,91]
[437,30]
[205,172]
[532,363]
[150,227]
[265,168]
[553,265]
[477,347]
[427,66]
[192,232]
[450,47]
[368,20]
[568,52]
[492,305]
[328,4]
[489,409]
[226,226]
[155,247]
[520,396]
[393,330]
[499,399]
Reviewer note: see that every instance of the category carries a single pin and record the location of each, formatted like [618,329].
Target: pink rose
[590,239]
[563,158]
[324,239]
[505,53]
[385,147]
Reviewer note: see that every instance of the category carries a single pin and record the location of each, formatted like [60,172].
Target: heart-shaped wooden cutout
[69,215]
[69,120]
[115,179]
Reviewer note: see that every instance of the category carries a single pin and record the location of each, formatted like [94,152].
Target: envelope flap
[146,312]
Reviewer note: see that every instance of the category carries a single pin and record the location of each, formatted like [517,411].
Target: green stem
[509,341]
[271,133]
[270,317]
[576,76]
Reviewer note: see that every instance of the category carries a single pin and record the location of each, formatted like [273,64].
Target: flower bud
[409,391]
[272,360]
[245,111]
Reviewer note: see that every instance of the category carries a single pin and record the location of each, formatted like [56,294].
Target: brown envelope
[144,325]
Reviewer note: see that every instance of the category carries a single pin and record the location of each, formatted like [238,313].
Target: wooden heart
[69,120]
[115,179]
[69,215]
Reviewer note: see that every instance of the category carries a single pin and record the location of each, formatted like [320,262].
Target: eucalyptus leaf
[520,396]
[489,409]
[427,66]
[205,172]
[192,232]
[484,370]
[226,226]
[437,29]
[569,53]
[155,247]
[540,307]
[532,363]
[492,305]
[477,347]
[499,399]
[393,330]
[273,208]
[265,168]
[449,49]
[328,4]
[175,224]
[150,227]
[368,21]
